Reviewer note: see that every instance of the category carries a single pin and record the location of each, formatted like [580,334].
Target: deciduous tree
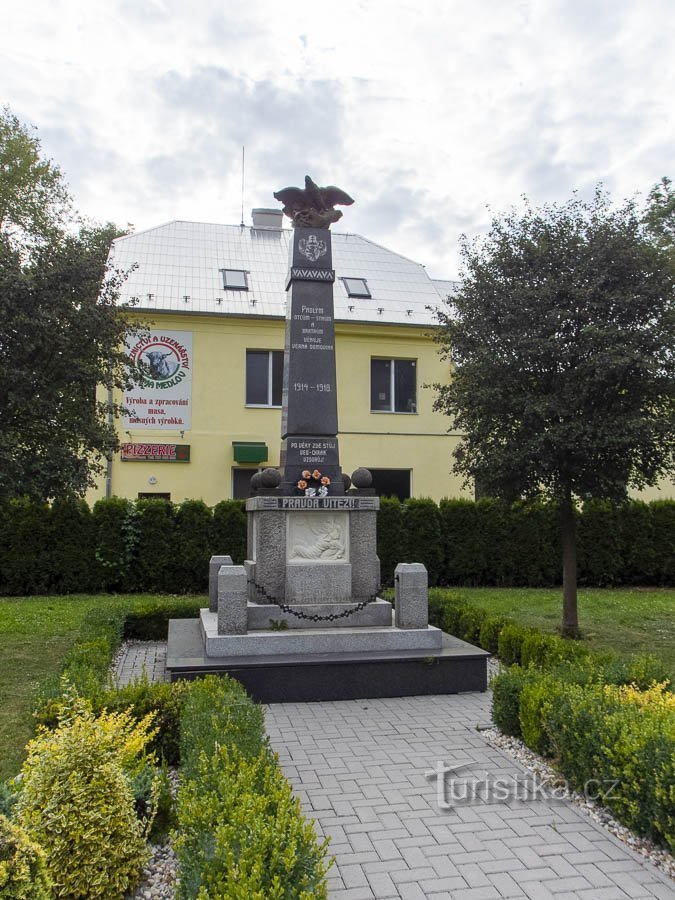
[561,340]
[62,330]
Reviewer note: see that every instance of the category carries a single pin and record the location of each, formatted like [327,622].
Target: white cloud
[425,113]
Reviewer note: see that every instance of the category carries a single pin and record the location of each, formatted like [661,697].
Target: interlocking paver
[537,849]
[360,768]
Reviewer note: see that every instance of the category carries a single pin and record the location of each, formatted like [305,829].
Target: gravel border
[160,873]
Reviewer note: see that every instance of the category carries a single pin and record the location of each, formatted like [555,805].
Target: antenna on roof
[242,186]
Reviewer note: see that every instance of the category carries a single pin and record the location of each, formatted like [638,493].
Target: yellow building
[215,302]
[214,298]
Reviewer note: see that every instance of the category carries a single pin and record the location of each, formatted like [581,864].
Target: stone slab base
[315,640]
[378,614]
[318,583]
[455,667]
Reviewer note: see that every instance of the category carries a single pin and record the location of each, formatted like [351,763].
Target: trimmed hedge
[154,545]
[608,723]
[241,833]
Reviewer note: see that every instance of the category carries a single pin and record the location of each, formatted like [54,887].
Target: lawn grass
[35,635]
[627,620]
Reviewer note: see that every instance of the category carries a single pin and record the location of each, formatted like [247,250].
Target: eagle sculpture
[313,206]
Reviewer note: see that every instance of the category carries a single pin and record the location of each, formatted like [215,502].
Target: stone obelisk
[309,422]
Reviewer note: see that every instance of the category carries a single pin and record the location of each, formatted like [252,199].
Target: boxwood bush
[240,831]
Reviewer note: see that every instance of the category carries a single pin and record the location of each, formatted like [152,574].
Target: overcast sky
[425,112]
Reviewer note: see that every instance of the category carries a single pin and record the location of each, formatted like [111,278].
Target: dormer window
[235,279]
[356,287]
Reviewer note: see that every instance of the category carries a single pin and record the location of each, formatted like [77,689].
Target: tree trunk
[568,534]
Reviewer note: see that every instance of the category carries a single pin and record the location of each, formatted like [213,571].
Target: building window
[391,482]
[235,279]
[393,385]
[153,495]
[356,287]
[264,377]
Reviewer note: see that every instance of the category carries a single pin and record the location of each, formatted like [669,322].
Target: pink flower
[316,474]
[325,480]
[306,474]
[302,484]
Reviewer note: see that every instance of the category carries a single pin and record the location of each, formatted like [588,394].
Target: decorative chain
[284,607]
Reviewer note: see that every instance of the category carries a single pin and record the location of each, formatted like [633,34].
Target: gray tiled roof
[183,259]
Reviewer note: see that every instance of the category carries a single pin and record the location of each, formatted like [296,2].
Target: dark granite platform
[326,676]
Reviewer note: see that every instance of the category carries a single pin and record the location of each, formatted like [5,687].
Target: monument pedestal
[299,678]
[301,619]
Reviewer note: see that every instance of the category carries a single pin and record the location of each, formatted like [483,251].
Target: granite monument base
[453,668]
[268,615]
[272,642]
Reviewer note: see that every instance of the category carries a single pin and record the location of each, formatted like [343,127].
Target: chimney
[267,219]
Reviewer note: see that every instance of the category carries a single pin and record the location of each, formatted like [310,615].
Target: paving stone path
[360,769]
[141,657]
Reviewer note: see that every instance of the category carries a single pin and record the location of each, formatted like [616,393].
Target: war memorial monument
[302,619]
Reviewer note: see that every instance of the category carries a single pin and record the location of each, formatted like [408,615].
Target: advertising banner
[163,400]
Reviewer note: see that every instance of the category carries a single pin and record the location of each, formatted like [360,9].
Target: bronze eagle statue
[312,207]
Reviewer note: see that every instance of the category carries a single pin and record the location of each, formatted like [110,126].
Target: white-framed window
[264,377]
[235,279]
[356,287]
[393,385]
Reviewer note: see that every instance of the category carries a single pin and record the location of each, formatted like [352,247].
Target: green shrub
[390,537]
[499,556]
[153,801]
[620,743]
[461,543]
[25,564]
[422,536]
[598,544]
[663,518]
[490,630]
[229,530]
[446,610]
[635,525]
[536,698]
[8,796]
[546,650]
[23,872]
[153,567]
[242,834]
[116,538]
[164,701]
[218,711]
[506,690]
[470,622]
[642,670]
[535,539]
[510,643]
[76,801]
[193,539]
[73,561]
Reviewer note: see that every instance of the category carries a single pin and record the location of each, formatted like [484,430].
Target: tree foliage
[659,215]
[34,201]
[561,341]
[63,330]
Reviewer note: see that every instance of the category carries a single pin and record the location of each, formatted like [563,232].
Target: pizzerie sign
[155,452]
